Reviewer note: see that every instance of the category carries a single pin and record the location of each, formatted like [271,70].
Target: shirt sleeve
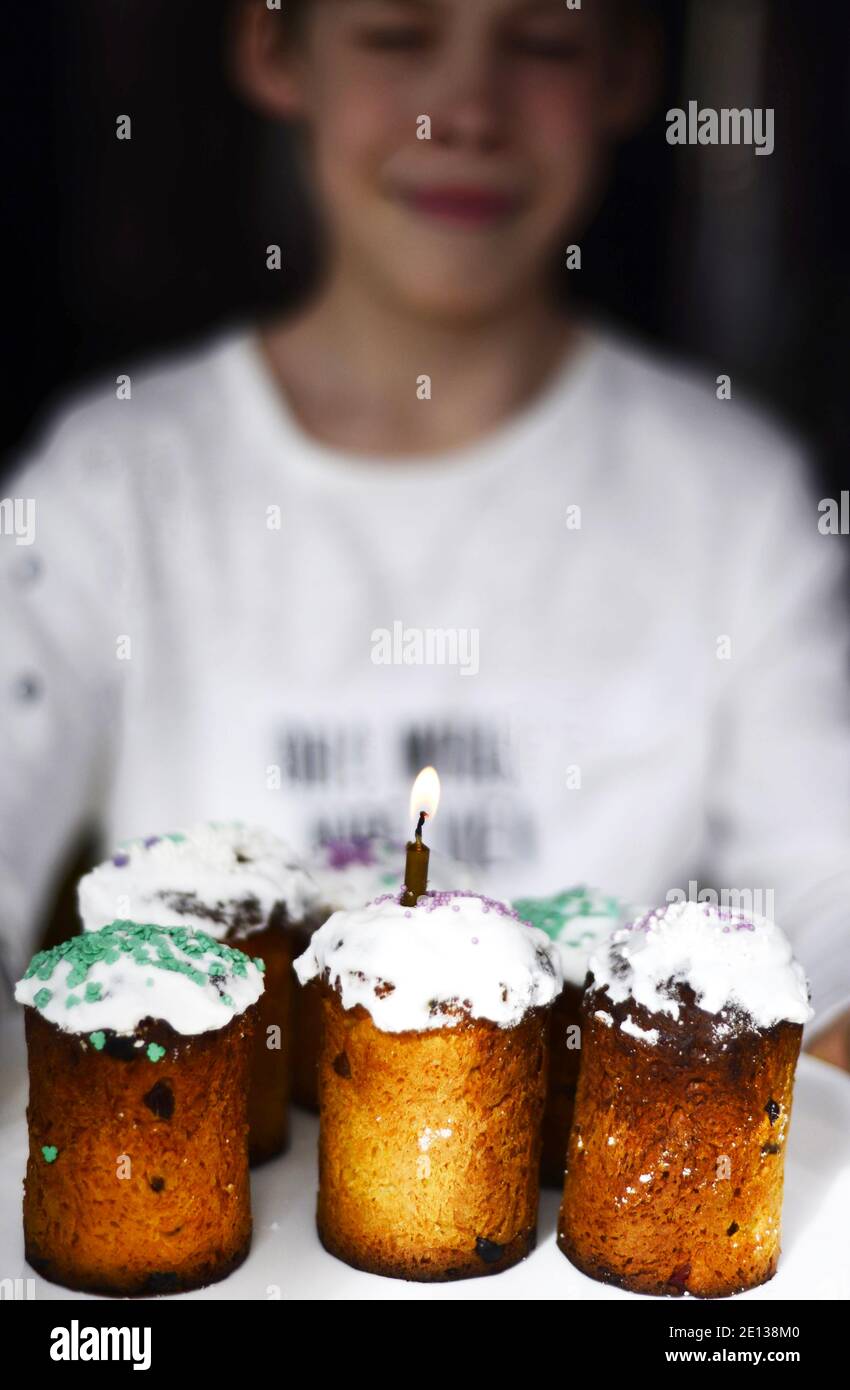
[62,545]
[780,780]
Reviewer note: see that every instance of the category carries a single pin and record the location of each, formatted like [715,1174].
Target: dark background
[116,249]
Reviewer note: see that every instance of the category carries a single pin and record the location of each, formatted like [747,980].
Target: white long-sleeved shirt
[612,625]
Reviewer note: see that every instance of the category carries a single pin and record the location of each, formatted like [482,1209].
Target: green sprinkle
[155,1052]
[260,964]
[98,1041]
[181,950]
[49,1153]
[559,912]
[226,999]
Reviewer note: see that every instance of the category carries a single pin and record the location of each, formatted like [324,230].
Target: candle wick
[418,831]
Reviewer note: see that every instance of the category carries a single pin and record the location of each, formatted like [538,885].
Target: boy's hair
[293,12]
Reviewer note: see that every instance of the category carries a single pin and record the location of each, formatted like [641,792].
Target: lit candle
[424,799]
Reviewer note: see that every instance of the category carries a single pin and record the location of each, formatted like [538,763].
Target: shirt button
[26,570]
[28,688]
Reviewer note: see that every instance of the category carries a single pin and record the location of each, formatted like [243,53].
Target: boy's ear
[262,60]
[635,68]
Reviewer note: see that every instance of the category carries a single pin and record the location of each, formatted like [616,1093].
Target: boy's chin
[448,295]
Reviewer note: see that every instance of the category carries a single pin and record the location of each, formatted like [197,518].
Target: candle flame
[425,795]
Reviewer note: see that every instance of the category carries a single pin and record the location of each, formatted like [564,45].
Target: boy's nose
[467,106]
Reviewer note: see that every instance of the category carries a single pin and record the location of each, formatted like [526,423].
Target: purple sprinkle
[475,940]
[356,849]
[645,922]
[120,860]
[429,902]
[735,919]
[151,841]
[408,913]
[716,914]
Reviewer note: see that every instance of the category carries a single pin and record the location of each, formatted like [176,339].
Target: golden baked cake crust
[430,1144]
[675,1162]
[137,1176]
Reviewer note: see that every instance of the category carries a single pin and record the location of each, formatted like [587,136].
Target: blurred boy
[432,518]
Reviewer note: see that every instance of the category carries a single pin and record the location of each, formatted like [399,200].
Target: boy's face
[518,101]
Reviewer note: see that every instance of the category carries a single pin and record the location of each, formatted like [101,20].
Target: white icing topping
[649,1035]
[451,956]
[727,958]
[204,986]
[576,954]
[352,873]
[209,877]
[577,920]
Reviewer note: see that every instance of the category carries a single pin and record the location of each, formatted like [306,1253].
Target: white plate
[287,1261]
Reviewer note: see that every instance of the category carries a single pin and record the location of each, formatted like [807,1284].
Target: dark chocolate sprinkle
[679,1278]
[122,1048]
[770,1149]
[733,1228]
[488,1250]
[342,1066]
[619,964]
[157,1184]
[773,1110]
[160,1099]
[544,960]
[236,915]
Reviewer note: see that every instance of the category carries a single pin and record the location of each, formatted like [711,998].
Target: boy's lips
[464,205]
